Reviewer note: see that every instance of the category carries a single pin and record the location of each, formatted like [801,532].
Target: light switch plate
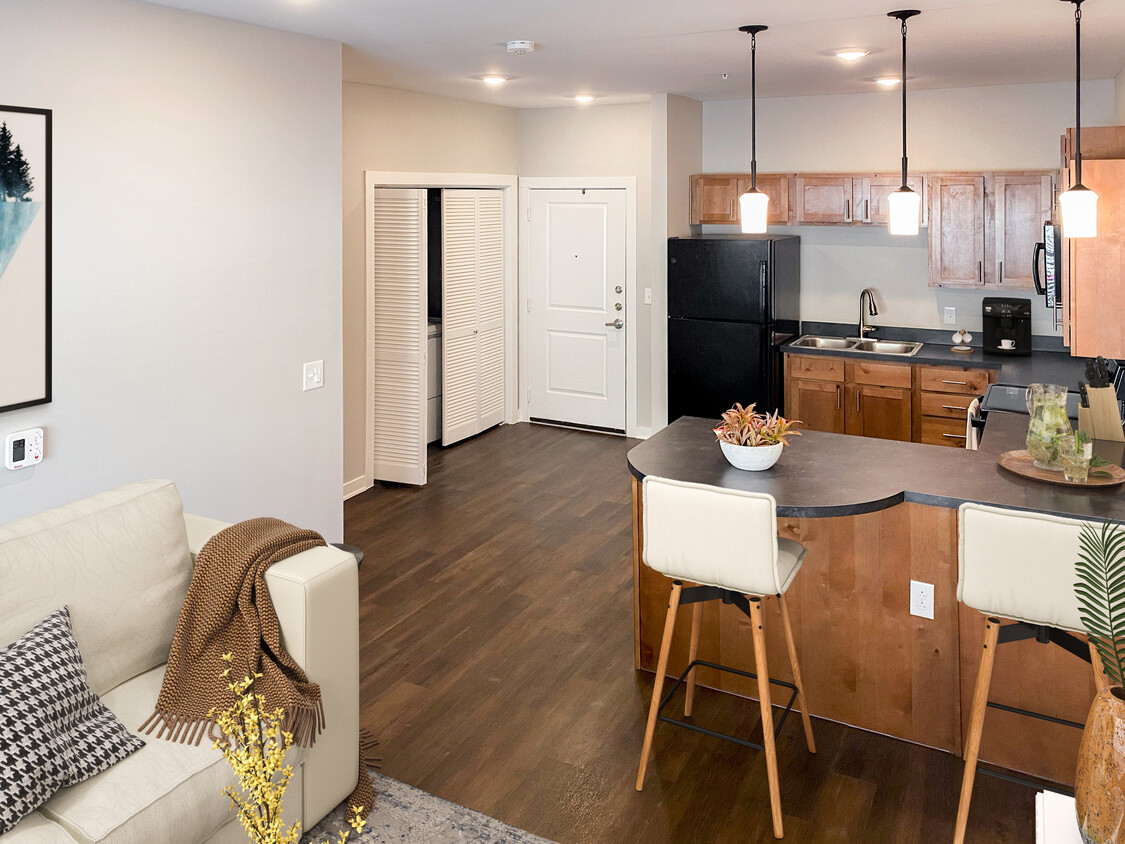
[921,599]
[950,316]
[313,378]
[648,295]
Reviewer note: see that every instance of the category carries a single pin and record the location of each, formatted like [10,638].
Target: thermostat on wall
[23,448]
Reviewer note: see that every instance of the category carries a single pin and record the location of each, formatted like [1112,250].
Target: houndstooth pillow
[54,731]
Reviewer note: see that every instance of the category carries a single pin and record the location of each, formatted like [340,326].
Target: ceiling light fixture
[1079,204]
[519,48]
[753,205]
[851,55]
[888,81]
[584,98]
[494,80]
[905,203]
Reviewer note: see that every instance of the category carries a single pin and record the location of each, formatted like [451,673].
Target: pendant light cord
[904,102]
[1078,90]
[753,111]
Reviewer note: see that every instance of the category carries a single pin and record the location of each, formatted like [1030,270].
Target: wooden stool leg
[658,685]
[1101,682]
[693,652]
[764,700]
[797,681]
[976,724]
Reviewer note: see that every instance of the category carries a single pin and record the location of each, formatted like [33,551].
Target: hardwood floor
[497,669]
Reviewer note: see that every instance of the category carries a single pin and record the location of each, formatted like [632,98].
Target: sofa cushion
[36,829]
[54,731]
[118,559]
[167,792]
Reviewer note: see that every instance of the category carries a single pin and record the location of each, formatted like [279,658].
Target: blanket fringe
[304,723]
[367,745]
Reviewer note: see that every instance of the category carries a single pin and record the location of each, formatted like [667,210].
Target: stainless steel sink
[854,344]
[810,341]
[887,347]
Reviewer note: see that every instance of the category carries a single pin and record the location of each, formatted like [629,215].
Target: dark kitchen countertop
[823,475]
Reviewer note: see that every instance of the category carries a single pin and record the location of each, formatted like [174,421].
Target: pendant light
[1079,204]
[753,206]
[905,203]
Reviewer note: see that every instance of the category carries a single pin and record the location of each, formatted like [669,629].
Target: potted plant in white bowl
[752,440]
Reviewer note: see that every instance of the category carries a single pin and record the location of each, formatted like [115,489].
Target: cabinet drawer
[938,379]
[948,405]
[943,432]
[816,368]
[879,374]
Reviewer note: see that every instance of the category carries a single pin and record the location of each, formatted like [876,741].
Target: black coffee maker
[1007,326]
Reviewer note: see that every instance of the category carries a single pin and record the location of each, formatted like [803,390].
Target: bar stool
[726,541]
[1018,566]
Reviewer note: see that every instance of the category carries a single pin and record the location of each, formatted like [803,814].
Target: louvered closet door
[399,311]
[472,333]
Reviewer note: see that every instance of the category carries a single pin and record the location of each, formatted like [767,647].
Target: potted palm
[1099,780]
[751,440]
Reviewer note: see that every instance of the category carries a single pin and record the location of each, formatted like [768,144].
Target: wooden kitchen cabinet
[823,199]
[714,198]
[865,398]
[957,241]
[818,404]
[1021,205]
[1096,281]
[942,398]
[880,412]
[871,198]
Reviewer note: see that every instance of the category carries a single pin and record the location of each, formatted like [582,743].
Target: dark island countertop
[822,475]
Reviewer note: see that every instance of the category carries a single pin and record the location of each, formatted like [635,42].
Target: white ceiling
[625,50]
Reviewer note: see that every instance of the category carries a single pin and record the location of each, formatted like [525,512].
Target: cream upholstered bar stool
[1018,566]
[726,541]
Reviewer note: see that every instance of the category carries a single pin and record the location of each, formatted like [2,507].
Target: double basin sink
[854,344]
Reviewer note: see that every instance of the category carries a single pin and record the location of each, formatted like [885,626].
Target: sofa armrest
[316,595]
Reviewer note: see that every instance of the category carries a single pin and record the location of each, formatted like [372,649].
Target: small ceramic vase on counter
[1099,783]
[753,458]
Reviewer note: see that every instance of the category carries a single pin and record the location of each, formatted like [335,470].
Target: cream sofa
[121,560]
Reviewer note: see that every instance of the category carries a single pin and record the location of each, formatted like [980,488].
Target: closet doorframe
[509,187]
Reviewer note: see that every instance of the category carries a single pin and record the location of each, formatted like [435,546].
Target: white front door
[577,319]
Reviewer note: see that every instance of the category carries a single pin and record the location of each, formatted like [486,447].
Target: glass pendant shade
[753,209]
[1079,212]
[905,211]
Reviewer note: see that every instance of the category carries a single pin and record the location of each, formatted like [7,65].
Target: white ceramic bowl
[753,458]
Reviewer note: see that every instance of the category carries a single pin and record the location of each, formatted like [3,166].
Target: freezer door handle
[763,268]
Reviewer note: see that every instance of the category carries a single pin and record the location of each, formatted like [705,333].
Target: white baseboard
[641,433]
[355,486]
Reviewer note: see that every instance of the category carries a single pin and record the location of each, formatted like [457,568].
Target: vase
[753,458]
[1099,782]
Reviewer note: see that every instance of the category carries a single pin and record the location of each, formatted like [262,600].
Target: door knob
[617,323]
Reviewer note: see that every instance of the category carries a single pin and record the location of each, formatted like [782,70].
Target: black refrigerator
[733,301]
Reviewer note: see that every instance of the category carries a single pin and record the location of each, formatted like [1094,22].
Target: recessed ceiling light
[584,98]
[494,80]
[888,81]
[851,55]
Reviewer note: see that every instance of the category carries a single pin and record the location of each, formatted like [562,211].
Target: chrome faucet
[864,328]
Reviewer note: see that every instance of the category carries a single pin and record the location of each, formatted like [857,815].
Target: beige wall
[196,258]
[388,129]
[1002,127]
[609,140]
[677,153]
[1119,87]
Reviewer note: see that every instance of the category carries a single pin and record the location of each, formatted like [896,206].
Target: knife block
[1102,419]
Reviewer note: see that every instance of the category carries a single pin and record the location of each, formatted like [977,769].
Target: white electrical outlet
[921,599]
[313,378]
[648,295]
[950,316]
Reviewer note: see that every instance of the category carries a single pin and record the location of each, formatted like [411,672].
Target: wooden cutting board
[1021,463]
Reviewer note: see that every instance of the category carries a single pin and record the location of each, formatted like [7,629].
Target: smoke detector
[519,48]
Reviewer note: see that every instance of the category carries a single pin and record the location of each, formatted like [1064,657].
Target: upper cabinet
[714,198]
[984,227]
[823,199]
[872,193]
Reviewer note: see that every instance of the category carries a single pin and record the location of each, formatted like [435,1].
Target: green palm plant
[1100,591]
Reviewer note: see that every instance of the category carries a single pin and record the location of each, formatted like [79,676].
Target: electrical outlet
[921,599]
[313,377]
[950,316]
[648,295]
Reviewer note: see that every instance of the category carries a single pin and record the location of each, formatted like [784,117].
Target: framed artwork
[25,257]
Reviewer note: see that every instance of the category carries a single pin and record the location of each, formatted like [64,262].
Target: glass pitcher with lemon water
[1046,403]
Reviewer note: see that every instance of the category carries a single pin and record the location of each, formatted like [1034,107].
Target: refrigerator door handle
[763,269]
[1039,288]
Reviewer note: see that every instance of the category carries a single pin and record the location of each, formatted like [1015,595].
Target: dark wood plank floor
[497,669]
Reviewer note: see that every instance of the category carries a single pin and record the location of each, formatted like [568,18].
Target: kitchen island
[876,514]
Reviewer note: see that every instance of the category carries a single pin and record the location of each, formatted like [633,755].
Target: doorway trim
[390,179]
[629,185]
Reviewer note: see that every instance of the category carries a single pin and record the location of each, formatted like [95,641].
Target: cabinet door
[819,405]
[776,187]
[1097,272]
[880,412]
[957,231]
[871,193]
[714,199]
[824,199]
[1021,205]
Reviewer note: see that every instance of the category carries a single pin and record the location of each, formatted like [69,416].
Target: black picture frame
[25,256]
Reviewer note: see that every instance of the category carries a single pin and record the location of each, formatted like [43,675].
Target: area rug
[403,813]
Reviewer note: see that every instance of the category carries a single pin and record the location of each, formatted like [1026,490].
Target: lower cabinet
[818,404]
[880,412]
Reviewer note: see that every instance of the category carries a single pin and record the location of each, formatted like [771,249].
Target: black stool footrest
[688,725]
